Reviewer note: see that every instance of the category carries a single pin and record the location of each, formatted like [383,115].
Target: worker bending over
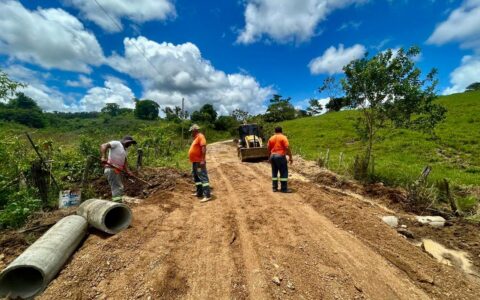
[197,156]
[279,149]
[116,162]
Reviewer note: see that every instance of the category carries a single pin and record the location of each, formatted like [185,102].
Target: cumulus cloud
[51,38]
[462,25]
[138,11]
[463,76]
[286,20]
[114,91]
[82,81]
[181,72]
[333,60]
[48,98]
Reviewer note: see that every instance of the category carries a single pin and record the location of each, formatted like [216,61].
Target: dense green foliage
[206,114]
[280,109]
[146,109]
[23,110]
[474,87]
[400,154]
[314,107]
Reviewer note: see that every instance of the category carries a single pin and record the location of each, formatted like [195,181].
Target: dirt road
[317,244]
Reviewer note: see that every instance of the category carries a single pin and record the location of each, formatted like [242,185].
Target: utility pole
[183,118]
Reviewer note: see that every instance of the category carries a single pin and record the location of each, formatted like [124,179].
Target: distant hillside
[401,154]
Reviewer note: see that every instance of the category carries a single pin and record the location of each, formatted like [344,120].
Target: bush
[467,204]
[226,123]
[146,110]
[19,207]
[30,118]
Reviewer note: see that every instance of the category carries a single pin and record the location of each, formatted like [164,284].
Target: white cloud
[83,81]
[138,11]
[51,38]
[333,60]
[462,25]
[463,76]
[351,24]
[114,91]
[48,98]
[183,73]
[286,20]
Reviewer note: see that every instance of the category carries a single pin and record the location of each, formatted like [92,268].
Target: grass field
[400,154]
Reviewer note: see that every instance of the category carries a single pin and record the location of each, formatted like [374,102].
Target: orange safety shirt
[195,152]
[278,144]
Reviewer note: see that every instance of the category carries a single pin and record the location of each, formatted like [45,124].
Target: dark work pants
[279,164]
[200,177]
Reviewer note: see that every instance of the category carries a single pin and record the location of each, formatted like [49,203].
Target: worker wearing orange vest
[197,154]
[279,149]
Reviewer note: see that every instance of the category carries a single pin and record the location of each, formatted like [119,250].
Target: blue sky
[234,54]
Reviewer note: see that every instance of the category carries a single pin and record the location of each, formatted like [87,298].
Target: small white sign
[69,198]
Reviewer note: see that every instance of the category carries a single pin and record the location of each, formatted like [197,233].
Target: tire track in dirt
[352,269]
[254,279]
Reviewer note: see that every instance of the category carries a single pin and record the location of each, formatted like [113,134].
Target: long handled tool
[121,170]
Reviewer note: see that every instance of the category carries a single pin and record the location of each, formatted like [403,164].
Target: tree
[146,109]
[112,109]
[314,108]
[226,123]
[240,115]
[389,87]
[336,104]
[333,90]
[8,86]
[280,109]
[22,101]
[174,114]
[331,87]
[206,114]
[473,87]
[24,110]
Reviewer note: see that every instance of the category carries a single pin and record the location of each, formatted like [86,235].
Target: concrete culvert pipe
[107,216]
[30,273]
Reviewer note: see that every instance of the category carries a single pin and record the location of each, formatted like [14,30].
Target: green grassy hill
[401,154]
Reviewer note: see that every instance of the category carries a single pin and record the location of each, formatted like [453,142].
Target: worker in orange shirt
[279,149]
[197,156]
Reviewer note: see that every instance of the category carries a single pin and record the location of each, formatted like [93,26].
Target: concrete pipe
[30,273]
[110,217]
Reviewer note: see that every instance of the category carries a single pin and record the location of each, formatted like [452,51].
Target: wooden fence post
[86,171]
[139,158]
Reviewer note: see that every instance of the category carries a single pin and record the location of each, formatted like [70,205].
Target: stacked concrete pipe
[107,216]
[30,273]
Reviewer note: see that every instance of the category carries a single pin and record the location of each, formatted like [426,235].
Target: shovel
[123,171]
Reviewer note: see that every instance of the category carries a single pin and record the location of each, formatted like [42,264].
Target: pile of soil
[394,197]
[158,178]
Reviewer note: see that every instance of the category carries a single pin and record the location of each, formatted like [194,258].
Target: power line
[119,26]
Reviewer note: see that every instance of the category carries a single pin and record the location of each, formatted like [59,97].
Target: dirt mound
[395,197]
[159,179]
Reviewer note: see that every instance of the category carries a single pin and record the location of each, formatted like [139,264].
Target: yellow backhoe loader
[251,144]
